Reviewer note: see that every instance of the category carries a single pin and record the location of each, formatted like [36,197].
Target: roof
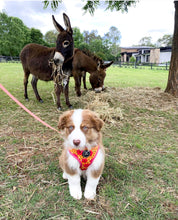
[166,49]
[128,50]
[137,47]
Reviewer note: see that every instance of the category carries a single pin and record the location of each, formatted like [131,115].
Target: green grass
[139,179]
[121,77]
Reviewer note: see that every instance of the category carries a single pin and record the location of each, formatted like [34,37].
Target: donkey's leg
[34,86]
[66,92]
[84,80]
[77,84]
[58,90]
[26,75]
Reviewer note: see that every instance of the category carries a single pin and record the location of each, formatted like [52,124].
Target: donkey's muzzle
[98,90]
[58,58]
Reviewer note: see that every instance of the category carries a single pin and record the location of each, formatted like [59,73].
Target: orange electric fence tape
[26,109]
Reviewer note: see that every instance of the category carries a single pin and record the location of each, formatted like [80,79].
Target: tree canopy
[164,41]
[91,6]
[14,35]
[101,46]
[146,41]
[50,37]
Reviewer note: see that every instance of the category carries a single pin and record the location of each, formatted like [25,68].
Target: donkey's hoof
[79,94]
[27,99]
[70,107]
[41,101]
[59,108]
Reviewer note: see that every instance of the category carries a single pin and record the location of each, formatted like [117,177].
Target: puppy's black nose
[76,142]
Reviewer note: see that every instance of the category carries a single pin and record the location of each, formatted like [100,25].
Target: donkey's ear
[58,27]
[98,65]
[105,66]
[67,23]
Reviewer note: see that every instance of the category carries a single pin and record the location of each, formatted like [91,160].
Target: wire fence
[9,59]
[135,65]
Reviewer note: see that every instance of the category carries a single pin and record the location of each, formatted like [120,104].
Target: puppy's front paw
[76,194]
[90,194]
[64,176]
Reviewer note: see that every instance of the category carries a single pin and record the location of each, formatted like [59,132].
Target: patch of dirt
[20,147]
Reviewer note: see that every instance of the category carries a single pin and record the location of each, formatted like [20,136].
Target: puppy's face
[81,128]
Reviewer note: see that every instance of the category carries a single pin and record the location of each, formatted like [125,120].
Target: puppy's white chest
[73,163]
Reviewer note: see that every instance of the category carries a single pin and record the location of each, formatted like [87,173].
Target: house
[160,55]
[145,54]
[141,53]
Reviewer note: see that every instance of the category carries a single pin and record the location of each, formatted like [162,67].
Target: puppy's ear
[63,119]
[98,123]
[62,122]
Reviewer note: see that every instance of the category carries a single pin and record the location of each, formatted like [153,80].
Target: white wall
[165,57]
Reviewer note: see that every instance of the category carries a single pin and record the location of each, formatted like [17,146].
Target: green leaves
[166,40]
[54,4]
[50,37]
[78,37]
[13,34]
[122,6]
[91,6]
[119,5]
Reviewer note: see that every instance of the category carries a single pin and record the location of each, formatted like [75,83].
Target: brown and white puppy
[83,153]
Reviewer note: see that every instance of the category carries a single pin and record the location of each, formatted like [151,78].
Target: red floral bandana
[85,157]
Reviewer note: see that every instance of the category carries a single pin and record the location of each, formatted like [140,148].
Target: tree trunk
[172,84]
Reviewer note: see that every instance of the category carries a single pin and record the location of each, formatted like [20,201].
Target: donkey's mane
[92,55]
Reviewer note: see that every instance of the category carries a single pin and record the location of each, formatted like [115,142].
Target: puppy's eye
[71,128]
[85,128]
[66,43]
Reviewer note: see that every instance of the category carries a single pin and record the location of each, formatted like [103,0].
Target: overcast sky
[149,18]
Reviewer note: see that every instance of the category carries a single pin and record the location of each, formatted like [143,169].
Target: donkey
[86,62]
[36,59]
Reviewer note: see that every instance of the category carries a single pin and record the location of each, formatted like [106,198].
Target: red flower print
[79,152]
[84,160]
[86,165]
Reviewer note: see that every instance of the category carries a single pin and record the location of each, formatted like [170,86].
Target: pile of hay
[106,113]
[103,104]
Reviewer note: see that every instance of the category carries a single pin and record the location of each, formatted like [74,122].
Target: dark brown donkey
[36,60]
[86,62]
